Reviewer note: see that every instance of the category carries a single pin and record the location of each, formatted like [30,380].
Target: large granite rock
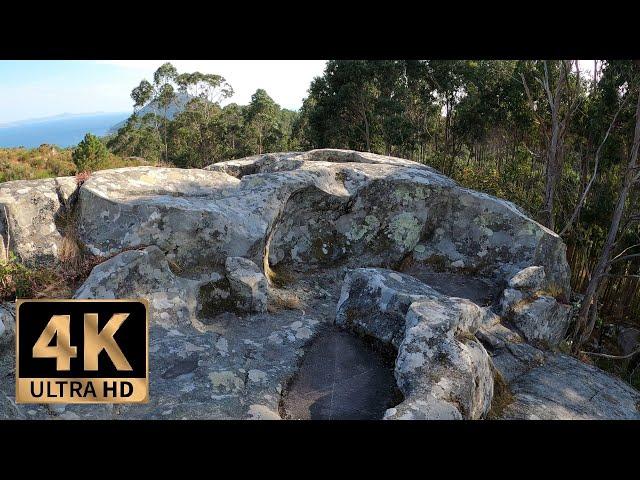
[30,215]
[173,299]
[528,304]
[312,210]
[211,249]
[145,274]
[442,370]
[544,385]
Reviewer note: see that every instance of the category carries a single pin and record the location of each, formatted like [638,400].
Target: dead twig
[612,357]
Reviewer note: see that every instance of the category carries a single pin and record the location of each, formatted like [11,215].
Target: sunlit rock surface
[245,262]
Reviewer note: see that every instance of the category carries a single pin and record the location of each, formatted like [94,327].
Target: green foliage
[31,164]
[204,132]
[20,281]
[90,154]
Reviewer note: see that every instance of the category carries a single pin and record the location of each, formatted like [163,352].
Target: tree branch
[595,171]
[613,357]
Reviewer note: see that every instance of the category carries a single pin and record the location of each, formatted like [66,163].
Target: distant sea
[63,130]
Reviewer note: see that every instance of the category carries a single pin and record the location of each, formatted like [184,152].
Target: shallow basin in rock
[341,378]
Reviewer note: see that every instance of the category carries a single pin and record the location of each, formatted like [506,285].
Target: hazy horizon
[36,89]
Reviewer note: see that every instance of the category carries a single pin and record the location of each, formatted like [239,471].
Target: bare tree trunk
[367,135]
[576,211]
[554,132]
[586,315]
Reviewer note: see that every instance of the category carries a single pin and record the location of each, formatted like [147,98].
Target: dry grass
[283,300]
[502,396]
[48,161]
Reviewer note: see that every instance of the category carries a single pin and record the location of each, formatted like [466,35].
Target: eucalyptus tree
[160,95]
[561,96]
[624,216]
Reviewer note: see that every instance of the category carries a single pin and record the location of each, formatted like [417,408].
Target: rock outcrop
[442,370]
[243,261]
[30,215]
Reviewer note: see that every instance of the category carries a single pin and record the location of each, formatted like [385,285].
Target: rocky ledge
[245,262]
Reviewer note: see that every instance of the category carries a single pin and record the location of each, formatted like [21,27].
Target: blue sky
[42,88]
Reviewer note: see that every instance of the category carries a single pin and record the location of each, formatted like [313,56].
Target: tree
[161,95]
[588,312]
[197,132]
[261,117]
[89,154]
[562,98]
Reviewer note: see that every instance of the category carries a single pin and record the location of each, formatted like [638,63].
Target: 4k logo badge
[82,351]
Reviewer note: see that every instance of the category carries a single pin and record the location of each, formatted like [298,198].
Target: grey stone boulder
[145,274]
[374,302]
[545,385]
[442,370]
[528,305]
[529,279]
[542,320]
[563,388]
[628,340]
[30,212]
[173,299]
[7,324]
[311,210]
[248,284]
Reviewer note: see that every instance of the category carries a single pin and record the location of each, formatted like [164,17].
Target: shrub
[90,154]
[19,281]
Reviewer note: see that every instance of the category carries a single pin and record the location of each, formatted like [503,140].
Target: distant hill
[176,107]
[64,130]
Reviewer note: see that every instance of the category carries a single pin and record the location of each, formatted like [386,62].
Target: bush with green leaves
[19,281]
[90,153]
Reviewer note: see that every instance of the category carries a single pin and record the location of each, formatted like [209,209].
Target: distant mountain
[64,130]
[176,107]
[60,116]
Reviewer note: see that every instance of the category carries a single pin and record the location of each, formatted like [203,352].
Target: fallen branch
[613,357]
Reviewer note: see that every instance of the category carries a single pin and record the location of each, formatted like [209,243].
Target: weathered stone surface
[247,283]
[530,279]
[536,314]
[313,210]
[628,340]
[195,243]
[145,274]
[374,302]
[541,320]
[235,368]
[29,214]
[564,388]
[7,324]
[551,386]
[440,367]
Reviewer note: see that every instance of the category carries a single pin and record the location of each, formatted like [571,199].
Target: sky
[42,88]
